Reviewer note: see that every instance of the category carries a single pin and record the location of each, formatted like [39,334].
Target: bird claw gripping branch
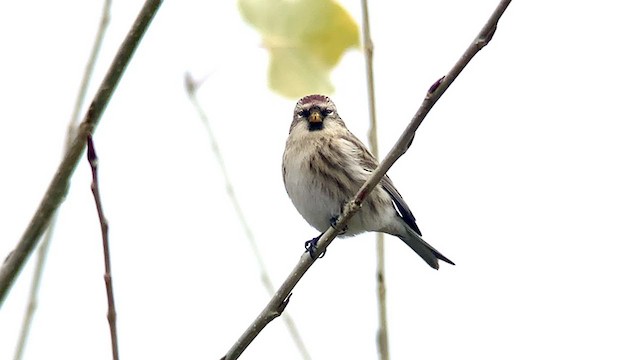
[312,246]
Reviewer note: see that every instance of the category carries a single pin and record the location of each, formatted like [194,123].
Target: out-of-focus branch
[44,246]
[33,292]
[60,183]
[383,333]
[192,88]
[88,70]
[277,304]
[92,157]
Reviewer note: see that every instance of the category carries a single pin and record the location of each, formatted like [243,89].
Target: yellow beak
[315,117]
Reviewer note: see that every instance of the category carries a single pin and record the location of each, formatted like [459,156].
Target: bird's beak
[315,117]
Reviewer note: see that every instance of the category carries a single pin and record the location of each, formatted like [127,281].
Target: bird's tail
[426,251]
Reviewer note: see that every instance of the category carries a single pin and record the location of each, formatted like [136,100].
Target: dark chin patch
[315,126]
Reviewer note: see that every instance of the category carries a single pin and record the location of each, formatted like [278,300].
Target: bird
[323,167]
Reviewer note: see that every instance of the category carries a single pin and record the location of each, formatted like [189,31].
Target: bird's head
[315,112]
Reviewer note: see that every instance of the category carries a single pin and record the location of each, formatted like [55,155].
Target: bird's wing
[401,205]
[369,162]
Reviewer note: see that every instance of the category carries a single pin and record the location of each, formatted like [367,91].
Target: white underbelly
[314,204]
[317,207]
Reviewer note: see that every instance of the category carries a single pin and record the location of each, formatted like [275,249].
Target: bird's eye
[303,113]
[328,112]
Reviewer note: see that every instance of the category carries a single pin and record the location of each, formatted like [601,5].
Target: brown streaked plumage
[323,167]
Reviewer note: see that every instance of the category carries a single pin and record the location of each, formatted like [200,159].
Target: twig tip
[91,151]
[435,86]
[190,84]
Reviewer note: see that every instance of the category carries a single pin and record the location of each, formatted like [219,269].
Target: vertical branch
[71,128]
[192,87]
[60,183]
[383,333]
[104,228]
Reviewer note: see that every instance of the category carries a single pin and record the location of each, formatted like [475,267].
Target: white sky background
[525,174]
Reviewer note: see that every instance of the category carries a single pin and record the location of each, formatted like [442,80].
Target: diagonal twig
[279,301]
[92,157]
[71,128]
[381,294]
[88,70]
[192,87]
[59,185]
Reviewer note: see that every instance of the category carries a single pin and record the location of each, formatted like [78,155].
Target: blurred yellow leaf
[305,38]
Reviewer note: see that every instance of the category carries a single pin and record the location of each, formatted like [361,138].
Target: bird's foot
[312,246]
[334,221]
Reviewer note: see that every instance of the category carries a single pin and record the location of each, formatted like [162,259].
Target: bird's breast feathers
[307,193]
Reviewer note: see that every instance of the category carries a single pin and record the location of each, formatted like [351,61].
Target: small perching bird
[323,167]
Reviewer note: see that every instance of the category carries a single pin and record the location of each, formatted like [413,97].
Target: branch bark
[92,157]
[59,185]
[282,296]
[381,294]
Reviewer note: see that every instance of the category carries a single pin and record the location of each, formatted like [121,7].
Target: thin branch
[44,246]
[89,68]
[59,185]
[383,332]
[32,304]
[281,298]
[371,96]
[192,86]
[92,157]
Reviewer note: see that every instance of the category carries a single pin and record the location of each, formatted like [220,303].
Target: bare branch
[104,229]
[279,301]
[44,246]
[88,70]
[383,332]
[192,87]
[32,303]
[59,185]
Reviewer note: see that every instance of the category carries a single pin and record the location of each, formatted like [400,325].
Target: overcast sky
[525,174]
